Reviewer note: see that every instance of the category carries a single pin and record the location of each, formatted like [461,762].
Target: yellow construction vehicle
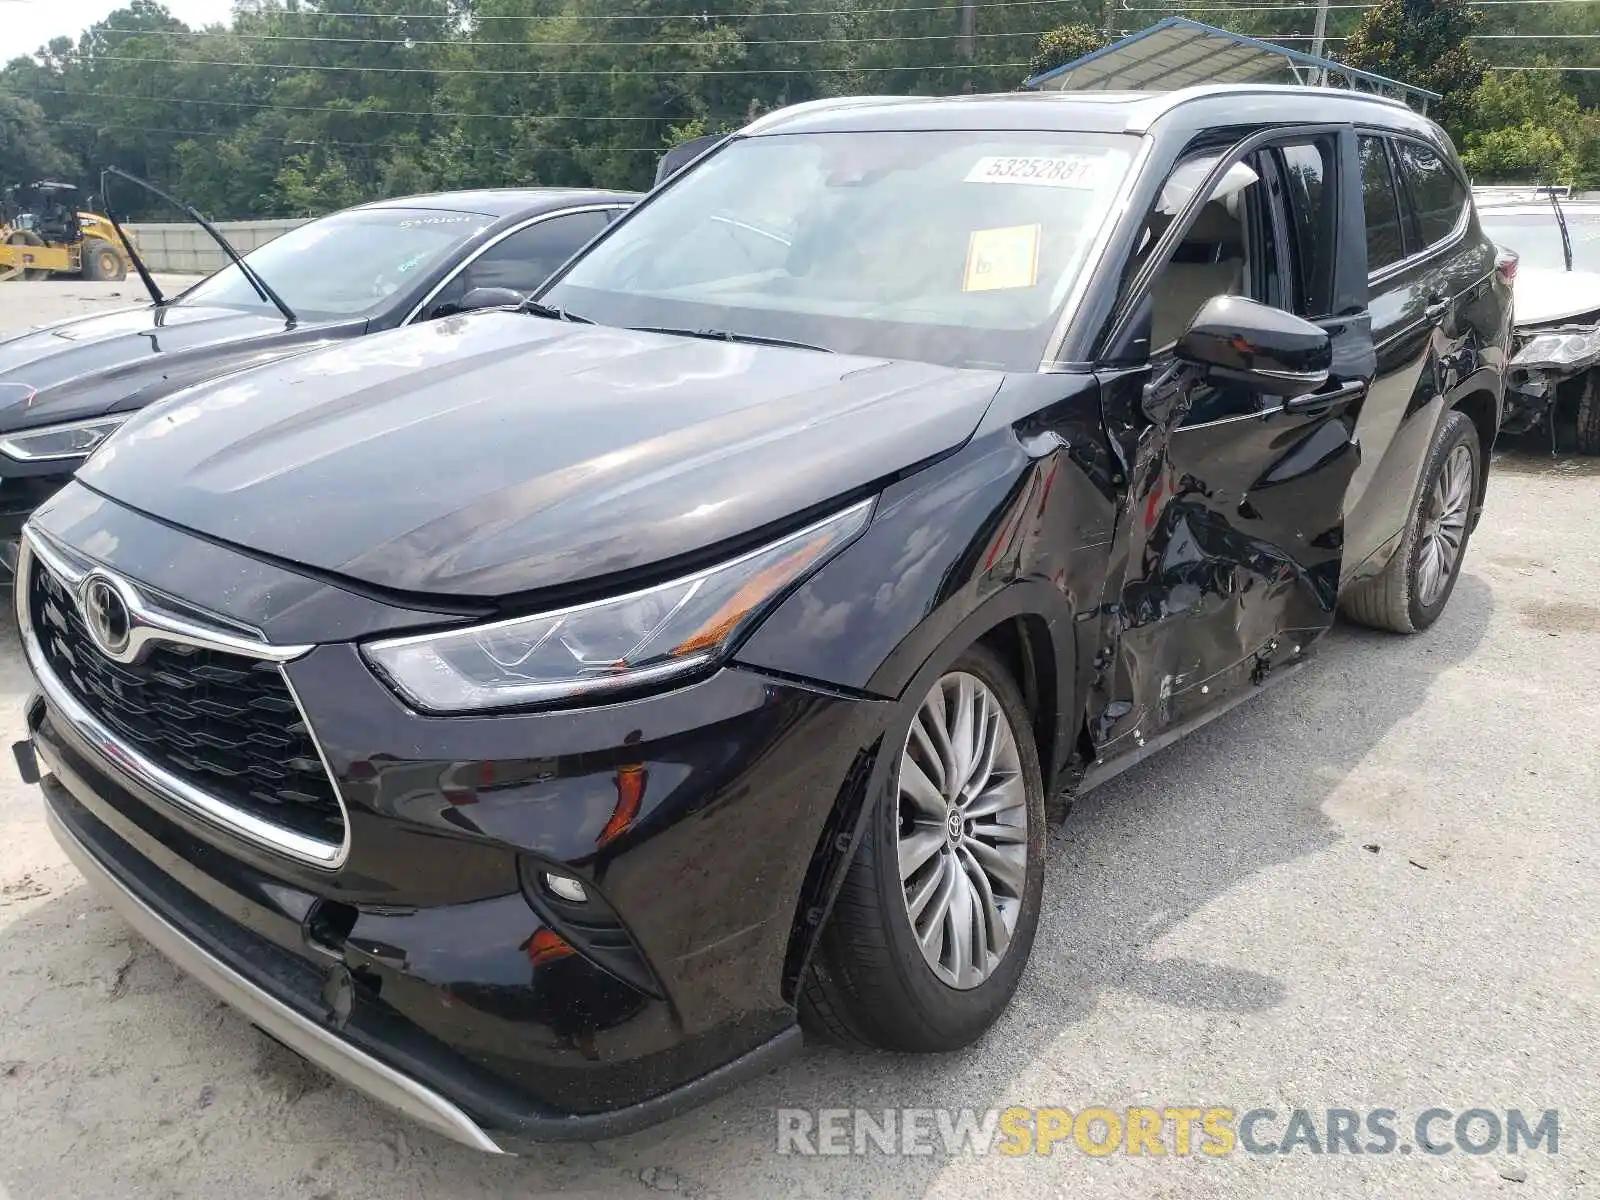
[42,234]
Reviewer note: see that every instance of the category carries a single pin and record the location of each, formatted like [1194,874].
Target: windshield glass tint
[1537,238]
[956,248]
[344,265]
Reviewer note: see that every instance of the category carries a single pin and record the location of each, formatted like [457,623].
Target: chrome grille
[224,723]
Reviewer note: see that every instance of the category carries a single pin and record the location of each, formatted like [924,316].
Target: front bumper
[426,968]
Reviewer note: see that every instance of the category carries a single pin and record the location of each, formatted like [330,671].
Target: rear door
[1231,541]
[1423,273]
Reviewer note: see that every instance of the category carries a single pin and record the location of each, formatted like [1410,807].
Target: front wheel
[936,916]
[1588,413]
[1411,592]
[102,262]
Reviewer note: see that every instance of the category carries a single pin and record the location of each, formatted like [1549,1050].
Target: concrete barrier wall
[186,249]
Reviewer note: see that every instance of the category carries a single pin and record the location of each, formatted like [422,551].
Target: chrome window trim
[145,771]
[608,206]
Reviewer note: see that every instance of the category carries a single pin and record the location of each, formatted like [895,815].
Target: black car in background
[538,717]
[65,386]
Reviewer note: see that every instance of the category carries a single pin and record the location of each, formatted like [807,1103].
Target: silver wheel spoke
[1002,866]
[961,722]
[931,754]
[918,846]
[931,930]
[996,936]
[1000,796]
[923,793]
[917,898]
[936,723]
[960,931]
[963,829]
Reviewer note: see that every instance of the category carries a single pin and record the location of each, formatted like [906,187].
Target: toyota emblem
[106,614]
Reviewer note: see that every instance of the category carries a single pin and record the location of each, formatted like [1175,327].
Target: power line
[477,17]
[312,142]
[334,109]
[1311,8]
[507,71]
[410,42]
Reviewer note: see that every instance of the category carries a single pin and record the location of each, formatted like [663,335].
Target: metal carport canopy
[1177,52]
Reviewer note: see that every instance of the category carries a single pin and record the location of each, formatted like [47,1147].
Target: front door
[1228,549]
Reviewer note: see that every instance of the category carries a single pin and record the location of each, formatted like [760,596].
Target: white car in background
[1554,382]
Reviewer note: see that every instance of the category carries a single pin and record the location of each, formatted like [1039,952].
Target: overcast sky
[29,24]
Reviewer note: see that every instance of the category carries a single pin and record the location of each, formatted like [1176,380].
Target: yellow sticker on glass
[1007,257]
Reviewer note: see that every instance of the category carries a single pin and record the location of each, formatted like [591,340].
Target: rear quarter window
[1437,195]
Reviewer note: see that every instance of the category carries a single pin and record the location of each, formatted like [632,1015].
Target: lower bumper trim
[341,1059]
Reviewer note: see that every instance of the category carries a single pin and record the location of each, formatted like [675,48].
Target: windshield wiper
[254,280]
[551,312]
[728,335]
[1561,220]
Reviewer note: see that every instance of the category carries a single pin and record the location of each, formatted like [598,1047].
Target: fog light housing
[566,888]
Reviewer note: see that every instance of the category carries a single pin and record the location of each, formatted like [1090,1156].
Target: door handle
[1315,402]
[1438,307]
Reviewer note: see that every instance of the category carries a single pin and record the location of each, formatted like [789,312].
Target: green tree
[1424,43]
[1067,44]
[27,152]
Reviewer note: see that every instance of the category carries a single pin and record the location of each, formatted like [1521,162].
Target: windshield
[345,265]
[1537,238]
[956,248]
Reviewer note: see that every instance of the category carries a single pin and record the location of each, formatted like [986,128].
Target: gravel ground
[1376,886]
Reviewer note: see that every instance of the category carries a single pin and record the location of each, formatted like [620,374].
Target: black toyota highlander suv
[539,716]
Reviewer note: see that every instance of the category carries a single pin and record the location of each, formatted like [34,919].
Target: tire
[870,986]
[101,262]
[24,237]
[1406,597]
[1588,413]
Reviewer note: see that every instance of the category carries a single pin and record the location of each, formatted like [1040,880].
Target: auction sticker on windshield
[1007,257]
[1064,170]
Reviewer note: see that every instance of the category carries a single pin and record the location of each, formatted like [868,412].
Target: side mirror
[1257,347]
[684,153]
[489,297]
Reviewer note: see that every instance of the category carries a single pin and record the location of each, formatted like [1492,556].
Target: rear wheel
[1589,414]
[1412,590]
[934,922]
[23,237]
[102,263]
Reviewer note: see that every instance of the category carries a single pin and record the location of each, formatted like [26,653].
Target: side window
[528,257]
[1437,196]
[1308,169]
[1381,204]
[1218,253]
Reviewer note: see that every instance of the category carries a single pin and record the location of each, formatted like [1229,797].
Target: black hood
[126,359]
[500,453]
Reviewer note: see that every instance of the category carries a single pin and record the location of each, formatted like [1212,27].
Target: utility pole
[1317,35]
[967,30]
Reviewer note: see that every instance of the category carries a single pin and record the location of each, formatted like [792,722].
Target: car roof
[507,202]
[1095,111]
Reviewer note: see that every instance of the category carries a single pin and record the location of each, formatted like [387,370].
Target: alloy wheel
[963,830]
[1444,526]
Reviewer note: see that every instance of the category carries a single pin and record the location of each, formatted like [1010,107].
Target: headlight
[641,638]
[72,440]
[1559,348]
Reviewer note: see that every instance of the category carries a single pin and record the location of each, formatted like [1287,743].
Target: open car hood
[1545,297]
[128,358]
[501,453]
